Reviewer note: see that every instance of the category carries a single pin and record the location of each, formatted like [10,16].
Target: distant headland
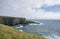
[11,21]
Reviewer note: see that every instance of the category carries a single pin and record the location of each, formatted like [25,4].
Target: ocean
[47,28]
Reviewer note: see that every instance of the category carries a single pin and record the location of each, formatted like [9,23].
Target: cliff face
[11,20]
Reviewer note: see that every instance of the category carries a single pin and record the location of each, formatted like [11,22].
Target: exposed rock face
[11,20]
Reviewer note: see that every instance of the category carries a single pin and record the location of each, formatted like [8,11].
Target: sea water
[47,28]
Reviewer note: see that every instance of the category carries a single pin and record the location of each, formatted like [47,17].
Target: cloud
[54,8]
[52,2]
[27,8]
[19,8]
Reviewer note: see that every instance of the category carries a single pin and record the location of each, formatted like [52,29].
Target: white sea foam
[19,26]
[53,37]
[41,23]
[36,24]
[20,30]
[33,24]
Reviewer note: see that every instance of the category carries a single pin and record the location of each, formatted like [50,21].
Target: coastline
[12,21]
[16,34]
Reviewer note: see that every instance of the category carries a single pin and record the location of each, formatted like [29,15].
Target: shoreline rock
[11,21]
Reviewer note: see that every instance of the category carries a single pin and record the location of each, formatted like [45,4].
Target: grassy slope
[7,32]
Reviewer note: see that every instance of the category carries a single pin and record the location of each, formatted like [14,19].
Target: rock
[11,20]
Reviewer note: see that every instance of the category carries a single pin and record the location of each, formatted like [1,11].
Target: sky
[34,9]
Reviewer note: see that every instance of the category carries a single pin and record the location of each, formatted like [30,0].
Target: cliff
[7,32]
[11,20]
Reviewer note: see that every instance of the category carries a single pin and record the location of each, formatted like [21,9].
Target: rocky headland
[12,21]
[7,32]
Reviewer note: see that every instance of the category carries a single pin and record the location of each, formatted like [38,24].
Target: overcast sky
[39,9]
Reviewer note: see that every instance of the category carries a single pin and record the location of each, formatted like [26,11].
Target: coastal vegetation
[7,32]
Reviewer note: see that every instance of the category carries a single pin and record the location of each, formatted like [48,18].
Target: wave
[41,23]
[36,24]
[19,27]
[53,36]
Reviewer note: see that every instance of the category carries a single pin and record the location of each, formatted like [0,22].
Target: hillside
[7,32]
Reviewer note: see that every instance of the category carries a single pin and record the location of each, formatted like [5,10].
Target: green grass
[7,32]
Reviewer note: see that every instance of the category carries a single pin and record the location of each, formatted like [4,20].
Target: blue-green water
[47,28]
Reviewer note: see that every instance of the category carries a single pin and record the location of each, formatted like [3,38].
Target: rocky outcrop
[11,20]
